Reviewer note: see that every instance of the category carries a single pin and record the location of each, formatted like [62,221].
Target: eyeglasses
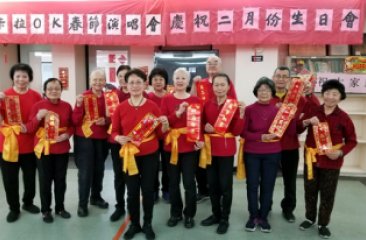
[282,76]
[53,89]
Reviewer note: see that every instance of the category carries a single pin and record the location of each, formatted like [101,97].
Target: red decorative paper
[52,125]
[295,91]
[91,107]
[144,128]
[193,122]
[63,75]
[226,115]
[12,109]
[322,138]
[203,90]
[111,102]
[282,119]
[170,88]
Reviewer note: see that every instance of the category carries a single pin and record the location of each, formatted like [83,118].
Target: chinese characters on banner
[110,61]
[163,22]
[353,83]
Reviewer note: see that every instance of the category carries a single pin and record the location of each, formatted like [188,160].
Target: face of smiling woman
[181,81]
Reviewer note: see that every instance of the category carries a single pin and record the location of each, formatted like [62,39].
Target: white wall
[142,56]
[247,72]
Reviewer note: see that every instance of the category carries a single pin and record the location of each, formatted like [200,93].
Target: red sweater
[169,105]
[153,97]
[64,110]
[231,93]
[257,120]
[290,139]
[221,146]
[341,130]
[99,132]
[27,100]
[126,117]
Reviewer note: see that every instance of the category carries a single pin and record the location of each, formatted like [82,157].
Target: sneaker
[64,214]
[149,232]
[47,217]
[211,220]
[173,221]
[202,197]
[117,214]
[132,230]
[306,225]
[12,216]
[31,208]
[251,225]
[324,232]
[265,226]
[166,197]
[83,211]
[289,216]
[223,227]
[99,202]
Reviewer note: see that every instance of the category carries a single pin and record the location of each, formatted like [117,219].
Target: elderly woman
[158,79]
[261,155]
[183,158]
[52,162]
[223,149]
[140,166]
[16,145]
[91,147]
[323,178]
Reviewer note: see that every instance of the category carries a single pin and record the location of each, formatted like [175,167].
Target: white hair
[96,71]
[182,70]
[215,58]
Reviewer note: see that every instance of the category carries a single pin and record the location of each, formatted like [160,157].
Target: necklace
[137,105]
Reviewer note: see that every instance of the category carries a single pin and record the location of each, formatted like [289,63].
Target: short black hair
[123,67]
[137,72]
[224,75]
[52,80]
[161,72]
[282,68]
[264,81]
[334,84]
[21,67]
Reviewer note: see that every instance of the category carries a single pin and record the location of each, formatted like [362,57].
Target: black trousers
[201,178]
[187,164]
[90,155]
[52,168]
[10,173]
[220,181]
[325,183]
[119,180]
[164,170]
[144,180]
[289,165]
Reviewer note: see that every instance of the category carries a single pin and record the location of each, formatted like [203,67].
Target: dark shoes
[47,217]
[31,208]
[211,220]
[149,232]
[117,214]
[188,222]
[132,230]
[99,202]
[306,224]
[265,226]
[173,221]
[12,216]
[223,227]
[251,225]
[289,216]
[64,214]
[324,232]
[83,211]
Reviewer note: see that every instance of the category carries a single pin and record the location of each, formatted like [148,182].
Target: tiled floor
[348,218]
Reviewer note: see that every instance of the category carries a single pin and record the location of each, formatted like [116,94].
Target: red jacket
[27,100]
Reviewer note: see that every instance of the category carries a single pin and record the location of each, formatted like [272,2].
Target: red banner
[168,22]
